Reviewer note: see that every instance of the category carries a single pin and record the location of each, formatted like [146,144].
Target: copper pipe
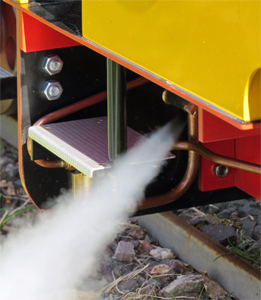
[70,109]
[188,178]
[219,159]
[193,164]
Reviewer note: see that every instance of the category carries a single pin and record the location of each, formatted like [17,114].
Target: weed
[254,257]
[202,290]
[6,217]
[173,296]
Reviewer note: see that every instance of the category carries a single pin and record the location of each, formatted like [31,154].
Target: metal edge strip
[57,146]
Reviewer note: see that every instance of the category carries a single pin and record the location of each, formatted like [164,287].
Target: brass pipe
[70,109]
[188,178]
[219,159]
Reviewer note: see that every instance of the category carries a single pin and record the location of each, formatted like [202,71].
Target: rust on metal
[200,251]
[208,242]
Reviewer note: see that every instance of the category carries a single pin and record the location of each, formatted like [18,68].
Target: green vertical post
[116,109]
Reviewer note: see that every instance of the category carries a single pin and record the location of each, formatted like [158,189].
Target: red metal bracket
[225,139]
[37,36]
[249,149]
[212,128]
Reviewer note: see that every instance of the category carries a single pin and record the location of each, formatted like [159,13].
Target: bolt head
[221,171]
[52,64]
[52,90]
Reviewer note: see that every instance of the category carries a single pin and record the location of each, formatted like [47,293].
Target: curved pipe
[188,178]
[70,109]
[219,159]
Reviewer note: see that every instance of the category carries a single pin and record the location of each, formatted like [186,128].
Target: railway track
[201,252]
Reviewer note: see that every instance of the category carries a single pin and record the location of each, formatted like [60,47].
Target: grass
[254,257]
[7,217]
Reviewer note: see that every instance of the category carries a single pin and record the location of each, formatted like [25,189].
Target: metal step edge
[78,160]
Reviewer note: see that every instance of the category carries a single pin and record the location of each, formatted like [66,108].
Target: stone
[137,233]
[161,253]
[131,284]
[135,243]
[221,233]
[166,280]
[160,269]
[4,161]
[151,263]
[147,290]
[238,203]
[222,205]
[154,281]
[213,288]
[241,214]
[211,209]
[11,170]
[252,209]
[197,221]
[184,215]
[121,270]
[225,214]
[183,284]
[105,271]
[171,262]
[248,226]
[124,251]
[113,245]
[256,233]
[234,216]
[144,246]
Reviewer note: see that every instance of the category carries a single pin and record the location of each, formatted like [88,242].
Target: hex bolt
[221,170]
[52,90]
[52,64]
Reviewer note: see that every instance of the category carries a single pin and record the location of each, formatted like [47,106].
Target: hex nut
[52,64]
[52,90]
[221,171]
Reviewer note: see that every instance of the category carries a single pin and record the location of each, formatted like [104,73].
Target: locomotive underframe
[84,74]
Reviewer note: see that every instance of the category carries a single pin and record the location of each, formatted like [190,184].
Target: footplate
[82,143]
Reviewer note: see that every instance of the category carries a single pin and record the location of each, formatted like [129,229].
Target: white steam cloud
[56,254]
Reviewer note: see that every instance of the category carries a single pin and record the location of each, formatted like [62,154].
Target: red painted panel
[212,128]
[249,149]
[208,181]
[37,36]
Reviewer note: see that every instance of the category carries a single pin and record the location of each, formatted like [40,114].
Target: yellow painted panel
[208,48]
[22,1]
